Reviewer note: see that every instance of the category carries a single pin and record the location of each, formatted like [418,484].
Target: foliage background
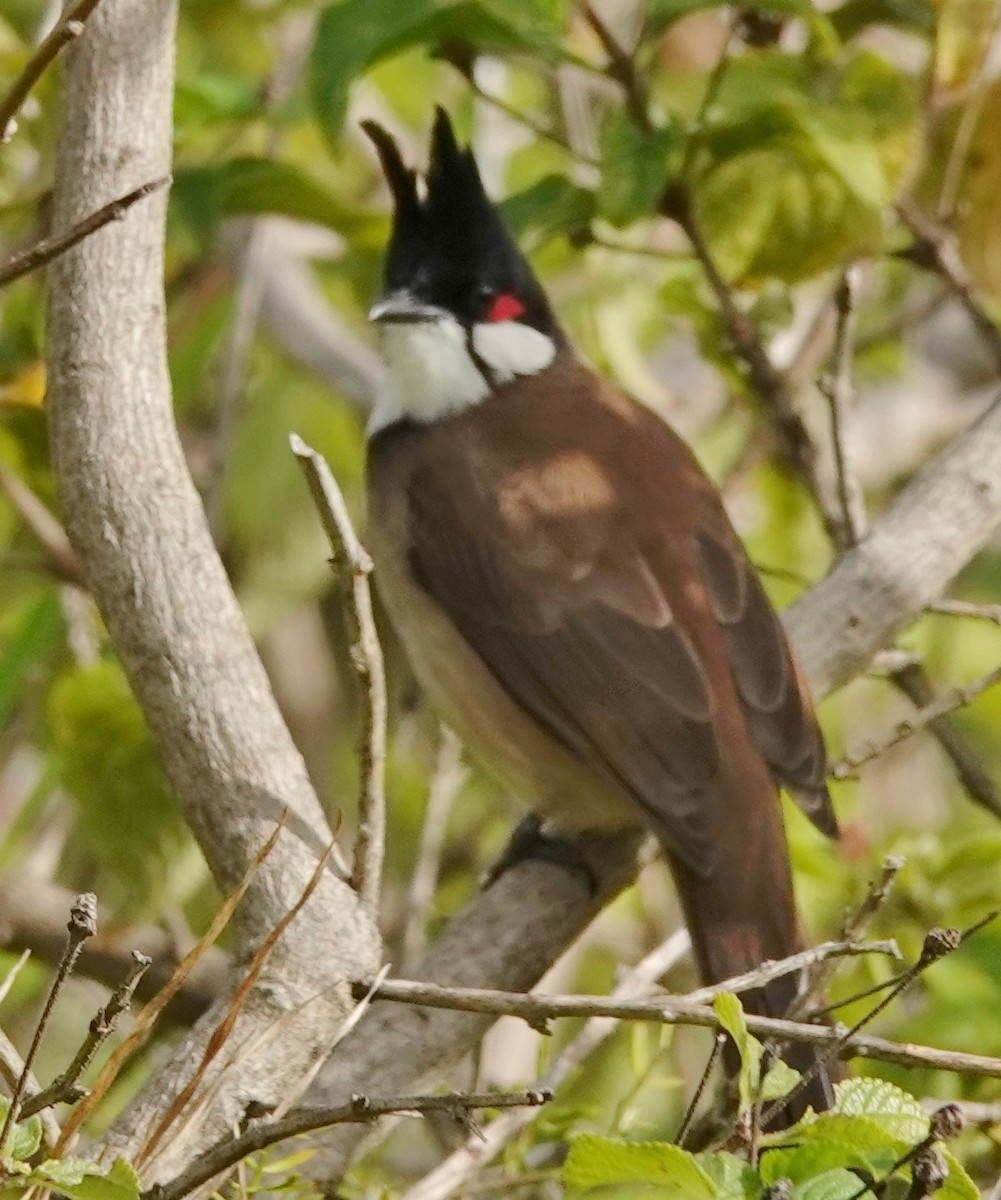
[798,133]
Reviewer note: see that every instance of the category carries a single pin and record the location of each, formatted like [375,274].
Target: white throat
[431,373]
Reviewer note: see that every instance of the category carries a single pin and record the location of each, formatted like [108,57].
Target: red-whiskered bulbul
[568,586]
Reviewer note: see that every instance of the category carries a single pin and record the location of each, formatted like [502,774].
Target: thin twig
[446,782]
[937,944]
[852,930]
[11,1066]
[621,68]
[220,1035]
[935,249]
[686,1121]
[8,980]
[766,381]
[789,966]
[839,388]
[228,1152]
[351,558]
[147,1016]
[538,1010]
[849,766]
[465,1162]
[967,608]
[912,680]
[62,558]
[67,30]
[49,248]
[65,1088]
[82,925]
[945,1122]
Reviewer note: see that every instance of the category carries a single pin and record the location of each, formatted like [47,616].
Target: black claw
[529,841]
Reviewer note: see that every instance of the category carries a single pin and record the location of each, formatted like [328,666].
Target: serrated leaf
[82,1180]
[25,1137]
[595,1162]
[958,1184]
[838,1184]
[895,1111]
[809,1159]
[732,1178]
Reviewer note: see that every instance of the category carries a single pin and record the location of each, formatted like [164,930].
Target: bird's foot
[530,841]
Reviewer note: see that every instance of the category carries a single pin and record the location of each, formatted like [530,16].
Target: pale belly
[467,697]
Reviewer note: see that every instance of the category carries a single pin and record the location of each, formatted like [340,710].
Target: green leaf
[809,1159]
[958,1184]
[731,1016]
[596,1162]
[779,1080]
[82,1180]
[732,1178]
[635,166]
[213,96]
[838,1184]
[25,1137]
[550,205]
[253,187]
[354,35]
[32,633]
[895,1111]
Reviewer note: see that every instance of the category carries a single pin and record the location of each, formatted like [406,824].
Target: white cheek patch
[510,348]
[430,372]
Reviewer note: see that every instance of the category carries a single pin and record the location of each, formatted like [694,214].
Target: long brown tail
[743,914]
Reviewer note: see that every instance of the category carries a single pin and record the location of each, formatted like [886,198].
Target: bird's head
[462,311]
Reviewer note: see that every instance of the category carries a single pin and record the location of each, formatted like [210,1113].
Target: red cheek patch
[505,308]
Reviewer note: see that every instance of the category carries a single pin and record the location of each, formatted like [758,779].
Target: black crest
[451,247]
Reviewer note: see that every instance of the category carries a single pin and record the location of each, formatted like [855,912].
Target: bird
[568,587]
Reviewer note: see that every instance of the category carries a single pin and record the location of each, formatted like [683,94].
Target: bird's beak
[402,307]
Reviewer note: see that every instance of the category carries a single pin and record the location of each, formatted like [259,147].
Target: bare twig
[31,920]
[220,1035]
[228,1153]
[937,944]
[150,1011]
[912,680]
[537,1010]
[460,1166]
[11,1067]
[351,558]
[967,608]
[8,980]
[67,30]
[82,925]
[621,68]
[64,563]
[839,389]
[50,248]
[795,962]
[65,1088]
[852,930]
[686,1121]
[935,249]
[767,382]
[848,767]
[446,782]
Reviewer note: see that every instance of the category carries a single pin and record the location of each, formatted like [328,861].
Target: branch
[935,249]
[32,917]
[69,27]
[484,1145]
[352,560]
[848,767]
[135,520]
[44,526]
[229,1152]
[538,1010]
[50,248]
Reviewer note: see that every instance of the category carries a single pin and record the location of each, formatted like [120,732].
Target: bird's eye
[502,306]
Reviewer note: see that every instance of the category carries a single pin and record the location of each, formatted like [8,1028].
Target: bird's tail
[742,915]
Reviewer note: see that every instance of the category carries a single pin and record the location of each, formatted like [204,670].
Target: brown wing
[603,587]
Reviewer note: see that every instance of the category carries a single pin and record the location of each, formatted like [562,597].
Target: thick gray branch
[138,528]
